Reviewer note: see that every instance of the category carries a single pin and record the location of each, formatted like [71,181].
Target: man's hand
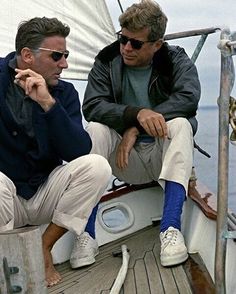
[126,144]
[35,87]
[152,122]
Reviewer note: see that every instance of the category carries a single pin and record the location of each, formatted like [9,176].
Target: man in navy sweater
[41,129]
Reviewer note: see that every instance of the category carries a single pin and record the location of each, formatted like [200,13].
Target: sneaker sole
[84,261]
[174,260]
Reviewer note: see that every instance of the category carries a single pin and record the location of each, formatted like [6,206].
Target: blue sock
[90,228]
[173,204]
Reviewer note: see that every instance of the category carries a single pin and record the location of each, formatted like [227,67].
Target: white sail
[90,23]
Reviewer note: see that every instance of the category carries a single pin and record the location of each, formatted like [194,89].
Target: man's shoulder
[108,53]
[174,50]
[164,58]
[4,60]
[1,62]
[170,51]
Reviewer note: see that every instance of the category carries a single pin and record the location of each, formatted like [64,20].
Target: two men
[141,101]
[41,129]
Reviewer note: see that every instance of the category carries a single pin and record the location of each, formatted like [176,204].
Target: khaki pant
[66,198]
[165,159]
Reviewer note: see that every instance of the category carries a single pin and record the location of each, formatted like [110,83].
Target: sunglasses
[136,44]
[56,55]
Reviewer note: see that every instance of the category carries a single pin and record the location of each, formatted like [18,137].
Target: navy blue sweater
[59,135]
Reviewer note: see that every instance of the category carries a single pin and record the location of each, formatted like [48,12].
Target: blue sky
[187,15]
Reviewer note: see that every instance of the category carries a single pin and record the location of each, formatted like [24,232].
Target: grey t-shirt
[135,91]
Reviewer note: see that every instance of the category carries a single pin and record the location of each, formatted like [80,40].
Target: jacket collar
[162,63]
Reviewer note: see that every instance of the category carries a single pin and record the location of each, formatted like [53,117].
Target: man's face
[44,60]
[138,57]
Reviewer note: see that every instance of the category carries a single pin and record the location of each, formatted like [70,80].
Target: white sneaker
[84,251]
[173,249]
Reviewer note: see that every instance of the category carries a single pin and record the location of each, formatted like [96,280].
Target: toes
[54,279]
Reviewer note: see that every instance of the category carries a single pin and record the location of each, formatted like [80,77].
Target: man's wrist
[134,131]
[48,104]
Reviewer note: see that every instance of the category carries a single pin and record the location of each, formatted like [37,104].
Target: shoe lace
[170,237]
[83,240]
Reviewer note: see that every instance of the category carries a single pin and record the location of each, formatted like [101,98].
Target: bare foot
[49,238]
[52,276]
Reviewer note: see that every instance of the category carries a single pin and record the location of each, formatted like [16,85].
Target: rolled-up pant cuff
[69,222]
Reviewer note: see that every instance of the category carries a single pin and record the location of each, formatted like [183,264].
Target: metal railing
[226,45]
[225,220]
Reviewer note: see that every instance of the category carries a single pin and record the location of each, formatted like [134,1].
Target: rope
[122,272]
[224,47]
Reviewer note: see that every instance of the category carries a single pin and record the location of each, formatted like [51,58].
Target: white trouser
[165,159]
[66,198]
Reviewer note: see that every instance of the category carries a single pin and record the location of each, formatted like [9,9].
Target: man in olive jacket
[141,102]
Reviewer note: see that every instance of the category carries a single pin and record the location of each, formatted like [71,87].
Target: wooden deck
[145,274]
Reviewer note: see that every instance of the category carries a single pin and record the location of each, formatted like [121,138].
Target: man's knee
[94,175]
[101,170]
[7,192]
[179,124]
[6,186]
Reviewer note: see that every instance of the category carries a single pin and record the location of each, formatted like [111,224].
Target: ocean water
[207,168]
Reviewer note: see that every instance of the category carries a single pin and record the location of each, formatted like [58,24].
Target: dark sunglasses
[136,44]
[56,55]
